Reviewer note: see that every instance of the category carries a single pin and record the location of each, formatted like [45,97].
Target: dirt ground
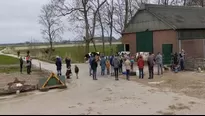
[105,96]
[189,83]
[30,79]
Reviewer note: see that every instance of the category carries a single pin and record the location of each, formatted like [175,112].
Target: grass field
[1,48]
[76,53]
[7,60]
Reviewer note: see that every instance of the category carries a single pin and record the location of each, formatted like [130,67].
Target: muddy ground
[30,79]
[189,83]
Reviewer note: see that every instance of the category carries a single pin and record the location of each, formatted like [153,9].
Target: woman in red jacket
[140,64]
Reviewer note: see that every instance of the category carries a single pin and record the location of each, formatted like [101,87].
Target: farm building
[166,29]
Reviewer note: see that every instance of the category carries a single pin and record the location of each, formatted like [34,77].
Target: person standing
[94,66]
[140,64]
[103,65]
[128,68]
[76,71]
[132,63]
[159,63]
[90,63]
[111,63]
[150,62]
[58,65]
[108,66]
[28,64]
[21,64]
[68,62]
[182,58]
[181,61]
[116,64]
[121,63]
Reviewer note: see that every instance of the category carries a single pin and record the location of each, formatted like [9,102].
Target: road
[104,96]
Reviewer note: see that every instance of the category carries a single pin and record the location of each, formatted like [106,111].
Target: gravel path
[104,96]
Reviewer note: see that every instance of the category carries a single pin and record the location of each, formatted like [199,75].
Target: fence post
[40,65]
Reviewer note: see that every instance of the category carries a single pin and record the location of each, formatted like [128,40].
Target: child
[132,63]
[68,72]
[108,66]
[76,71]
[140,64]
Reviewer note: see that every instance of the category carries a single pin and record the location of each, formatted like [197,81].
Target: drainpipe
[179,42]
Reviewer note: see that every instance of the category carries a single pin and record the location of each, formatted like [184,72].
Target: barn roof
[177,17]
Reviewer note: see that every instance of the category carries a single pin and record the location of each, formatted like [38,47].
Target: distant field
[1,48]
[7,60]
[56,46]
[76,53]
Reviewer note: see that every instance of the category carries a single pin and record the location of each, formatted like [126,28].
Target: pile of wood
[17,85]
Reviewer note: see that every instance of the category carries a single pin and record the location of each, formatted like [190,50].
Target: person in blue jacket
[103,65]
[58,65]
[90,64]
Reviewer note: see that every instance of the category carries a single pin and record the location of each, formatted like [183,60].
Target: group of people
[28,64]
[177,61]
[68,67]
[112,64]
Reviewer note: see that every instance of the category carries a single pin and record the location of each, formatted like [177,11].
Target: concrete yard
[104,96]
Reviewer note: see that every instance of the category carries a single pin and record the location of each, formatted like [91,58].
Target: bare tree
[81,11]
[195,3]
[51,25]
[100,19]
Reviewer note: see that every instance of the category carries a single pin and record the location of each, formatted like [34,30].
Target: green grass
[76,53]
[7,60]
[11,69]
[1,48]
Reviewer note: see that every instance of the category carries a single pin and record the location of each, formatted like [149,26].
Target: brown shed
[166,29]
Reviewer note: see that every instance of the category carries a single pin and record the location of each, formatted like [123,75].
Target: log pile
[17,86]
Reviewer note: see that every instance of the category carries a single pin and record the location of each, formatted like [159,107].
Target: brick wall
[131,40]
[193,48]
[164,37]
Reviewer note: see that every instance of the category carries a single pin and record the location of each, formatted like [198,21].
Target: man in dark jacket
[58,65]
[90,64]
[116,64]
[111,63]
[21,64]
[94,66]
[28,64]
[150,62]
[68,62]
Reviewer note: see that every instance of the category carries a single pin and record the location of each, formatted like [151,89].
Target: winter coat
[158,59]
[116,62]
[21,61]
[103,63]
[58,64]
[94,65]
[150,61]
[127,64]
[140,63]
[111,60]
[68,62]
[107,64]
[76,69]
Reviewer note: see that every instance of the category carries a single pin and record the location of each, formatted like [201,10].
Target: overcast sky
[19,21]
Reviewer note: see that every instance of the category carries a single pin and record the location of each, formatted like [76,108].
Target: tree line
[87,16]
